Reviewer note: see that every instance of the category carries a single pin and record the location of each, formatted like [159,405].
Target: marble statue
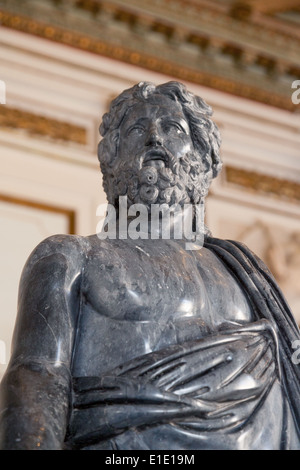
[138,342]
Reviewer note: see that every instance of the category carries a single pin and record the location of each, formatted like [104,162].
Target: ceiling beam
[272,6]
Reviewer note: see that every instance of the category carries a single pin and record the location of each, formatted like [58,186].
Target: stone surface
[124,343]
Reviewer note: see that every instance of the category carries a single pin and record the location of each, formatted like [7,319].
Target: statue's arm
[35,390]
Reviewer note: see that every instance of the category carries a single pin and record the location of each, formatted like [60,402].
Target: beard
[170,181]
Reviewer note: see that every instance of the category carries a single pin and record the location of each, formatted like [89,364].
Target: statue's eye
[172,128]
[136,130]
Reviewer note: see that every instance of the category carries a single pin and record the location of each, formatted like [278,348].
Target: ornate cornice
[262,183]
[11,118]
[187,47]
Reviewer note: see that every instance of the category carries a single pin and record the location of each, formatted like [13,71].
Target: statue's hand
[240,369]
[228,374]
[234,389]
[230,364]
[210,384]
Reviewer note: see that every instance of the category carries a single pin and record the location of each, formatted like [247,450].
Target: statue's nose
[153,138]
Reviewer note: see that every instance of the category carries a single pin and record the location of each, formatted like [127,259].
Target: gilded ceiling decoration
[249,48]
[265,184]
[34,124]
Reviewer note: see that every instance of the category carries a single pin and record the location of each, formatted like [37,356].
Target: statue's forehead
[154,107]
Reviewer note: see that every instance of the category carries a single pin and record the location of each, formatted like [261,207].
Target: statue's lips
[156,157]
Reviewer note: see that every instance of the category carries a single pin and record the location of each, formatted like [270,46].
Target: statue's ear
[216,167]
[108,148]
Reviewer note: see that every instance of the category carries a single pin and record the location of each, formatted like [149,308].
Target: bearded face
[171,182]
[157,162]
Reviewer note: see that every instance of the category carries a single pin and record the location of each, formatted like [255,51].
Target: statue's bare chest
[146,281]
[143,296]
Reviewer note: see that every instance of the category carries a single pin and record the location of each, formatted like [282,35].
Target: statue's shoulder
[72,247]
[102,249]
[56,260]
[69,247]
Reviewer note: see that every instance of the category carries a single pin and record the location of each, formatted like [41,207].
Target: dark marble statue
[139,342]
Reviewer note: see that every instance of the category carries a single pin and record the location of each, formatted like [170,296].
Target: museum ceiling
[248,48]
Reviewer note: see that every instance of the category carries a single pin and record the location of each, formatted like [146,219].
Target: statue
[138,342]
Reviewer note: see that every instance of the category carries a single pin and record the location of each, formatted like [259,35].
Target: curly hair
[204,132]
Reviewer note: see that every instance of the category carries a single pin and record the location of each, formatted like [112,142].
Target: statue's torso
[141,296]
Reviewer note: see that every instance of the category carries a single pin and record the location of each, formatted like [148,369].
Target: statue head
[159,146]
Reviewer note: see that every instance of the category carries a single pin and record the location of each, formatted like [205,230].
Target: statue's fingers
[214,371]
[265,370]
[247,384]
[234,412]
[189,369]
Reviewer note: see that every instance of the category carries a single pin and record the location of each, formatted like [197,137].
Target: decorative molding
[204,68]
[11,118]
[286,189]
[69,213]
